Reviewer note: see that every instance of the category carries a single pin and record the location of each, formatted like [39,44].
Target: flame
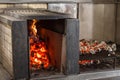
[38,51]
[84,62]
[33,27]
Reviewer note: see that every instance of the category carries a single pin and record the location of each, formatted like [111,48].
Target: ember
[85,62]
[94,47]
[38,50]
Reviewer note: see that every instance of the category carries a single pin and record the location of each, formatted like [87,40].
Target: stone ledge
[57,1]
[88,76]
[97,1]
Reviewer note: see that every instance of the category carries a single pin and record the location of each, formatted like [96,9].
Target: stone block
[44,6]
[3,5]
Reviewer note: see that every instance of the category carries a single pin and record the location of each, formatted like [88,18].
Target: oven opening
[45,47]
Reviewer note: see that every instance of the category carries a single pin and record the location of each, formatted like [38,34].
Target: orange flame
[33,27]
[38,51]
[84,62]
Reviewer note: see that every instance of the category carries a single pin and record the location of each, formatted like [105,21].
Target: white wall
[118,25]
[86,21]
[97,21]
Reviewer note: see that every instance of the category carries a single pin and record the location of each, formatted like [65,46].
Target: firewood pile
[94,46]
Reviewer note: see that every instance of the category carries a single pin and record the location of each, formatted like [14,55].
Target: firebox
[43,43]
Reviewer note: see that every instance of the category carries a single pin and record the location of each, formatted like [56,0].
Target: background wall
[118,24]
[97,21]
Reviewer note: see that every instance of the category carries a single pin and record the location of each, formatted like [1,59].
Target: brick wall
[6,47]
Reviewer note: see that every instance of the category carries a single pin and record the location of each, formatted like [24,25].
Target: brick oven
[39,43]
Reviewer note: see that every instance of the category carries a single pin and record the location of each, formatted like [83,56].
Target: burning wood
[87,47]
[86,62]
[38,52]
[93,47]
[89,62]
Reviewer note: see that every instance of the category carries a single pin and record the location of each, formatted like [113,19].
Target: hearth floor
[4,75]
[110,78]
[110,75]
